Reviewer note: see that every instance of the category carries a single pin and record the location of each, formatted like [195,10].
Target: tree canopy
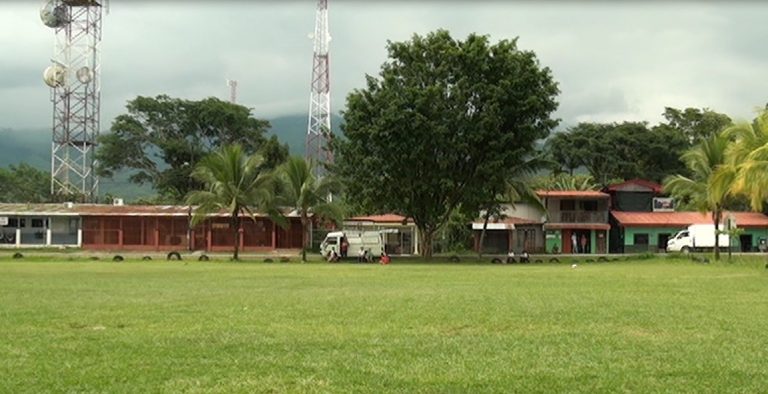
[161,139]
[627,150]
[24,183]
[441,125]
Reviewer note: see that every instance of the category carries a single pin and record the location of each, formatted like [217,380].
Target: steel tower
[319,123]
[74,78]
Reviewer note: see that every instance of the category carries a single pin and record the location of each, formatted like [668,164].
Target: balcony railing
[579,217]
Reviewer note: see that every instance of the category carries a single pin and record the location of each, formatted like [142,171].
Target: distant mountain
[33,146]
[292,130]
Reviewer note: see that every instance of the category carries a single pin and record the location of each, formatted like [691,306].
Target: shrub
[285,259]
[146,258]
[18,255]
[454,259]
[203,257]
[117,258]
[496,260]
[268,260]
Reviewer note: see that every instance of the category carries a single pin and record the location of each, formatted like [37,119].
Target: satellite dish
[54,76]
[54,15]
[84,75]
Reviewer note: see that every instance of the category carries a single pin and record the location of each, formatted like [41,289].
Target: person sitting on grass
[384,260]
[524,258]
[511,257]
[333,256]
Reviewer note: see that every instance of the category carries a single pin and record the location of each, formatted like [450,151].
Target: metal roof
[684,219]
[577,194]
[70,209]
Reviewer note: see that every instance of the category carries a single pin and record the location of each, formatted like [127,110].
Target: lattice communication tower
[74,78]
[319,124]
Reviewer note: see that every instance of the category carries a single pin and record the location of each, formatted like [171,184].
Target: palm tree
[236,183]
[517,188]
[749,155]
[710,185]
[302,191]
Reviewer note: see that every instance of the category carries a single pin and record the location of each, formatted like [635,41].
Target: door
[566,241]
[745,241]
[662,241]
[601,241]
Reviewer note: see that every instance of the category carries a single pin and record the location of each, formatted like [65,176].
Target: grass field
[642,326]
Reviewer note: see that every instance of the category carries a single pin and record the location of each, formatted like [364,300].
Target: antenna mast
[319,123]
[232,90]
[74,78]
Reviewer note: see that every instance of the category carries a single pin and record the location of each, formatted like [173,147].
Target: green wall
[553,239]
[653,236]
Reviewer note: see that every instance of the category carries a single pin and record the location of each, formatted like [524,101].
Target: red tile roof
[386,218]
[684,219]
[655,187]
[571,194]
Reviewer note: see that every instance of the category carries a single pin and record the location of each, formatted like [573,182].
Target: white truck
[698,237]
[371,241]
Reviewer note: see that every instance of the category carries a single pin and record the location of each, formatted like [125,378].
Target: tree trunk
[425,244]
[716,218]
[236,227]
[482,234]
[304,237]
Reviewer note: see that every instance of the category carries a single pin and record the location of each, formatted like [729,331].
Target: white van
[371,241]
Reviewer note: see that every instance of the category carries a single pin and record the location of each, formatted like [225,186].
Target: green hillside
[33,146]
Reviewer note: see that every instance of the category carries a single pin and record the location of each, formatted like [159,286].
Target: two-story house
[577,221]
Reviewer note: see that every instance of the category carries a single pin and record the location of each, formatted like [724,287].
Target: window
[589,205]
[641,239]
[12,223]
[38,223]
[567,205]
[22,222]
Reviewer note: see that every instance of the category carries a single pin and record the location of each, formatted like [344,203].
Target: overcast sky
[613,61]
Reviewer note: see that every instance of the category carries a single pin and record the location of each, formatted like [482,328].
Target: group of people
[579,245]
[364,256]
[524,257]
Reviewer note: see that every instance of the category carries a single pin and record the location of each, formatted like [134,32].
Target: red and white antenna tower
[74,78]
[319,124]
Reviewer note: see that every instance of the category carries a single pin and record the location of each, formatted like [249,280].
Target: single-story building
[650,231]
[138,228]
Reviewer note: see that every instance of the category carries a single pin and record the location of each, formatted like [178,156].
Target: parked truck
[698,237]
[371,241]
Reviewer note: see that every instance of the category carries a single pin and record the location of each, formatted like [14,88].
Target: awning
[494,226]
[577,226]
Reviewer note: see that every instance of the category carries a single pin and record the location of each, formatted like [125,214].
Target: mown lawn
[642,326]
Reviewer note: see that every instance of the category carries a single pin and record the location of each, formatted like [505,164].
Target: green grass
[643,326]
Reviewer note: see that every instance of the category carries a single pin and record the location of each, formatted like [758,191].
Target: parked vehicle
[698,237]
[371,241]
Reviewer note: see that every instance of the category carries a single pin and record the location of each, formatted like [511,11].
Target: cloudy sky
[614,60]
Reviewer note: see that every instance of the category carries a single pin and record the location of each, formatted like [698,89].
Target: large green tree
[610,151]
[709,187]
[441,125]
[236,183]
[24,184]
[161,139]
[694,123]
[300,190]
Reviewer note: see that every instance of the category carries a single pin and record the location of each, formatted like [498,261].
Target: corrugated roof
[385,218]
[684,219]
[655,187]
[572,193]
[65,209]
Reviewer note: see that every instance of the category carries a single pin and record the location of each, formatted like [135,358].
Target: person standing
[583,243]
[344,247]
[574,243]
